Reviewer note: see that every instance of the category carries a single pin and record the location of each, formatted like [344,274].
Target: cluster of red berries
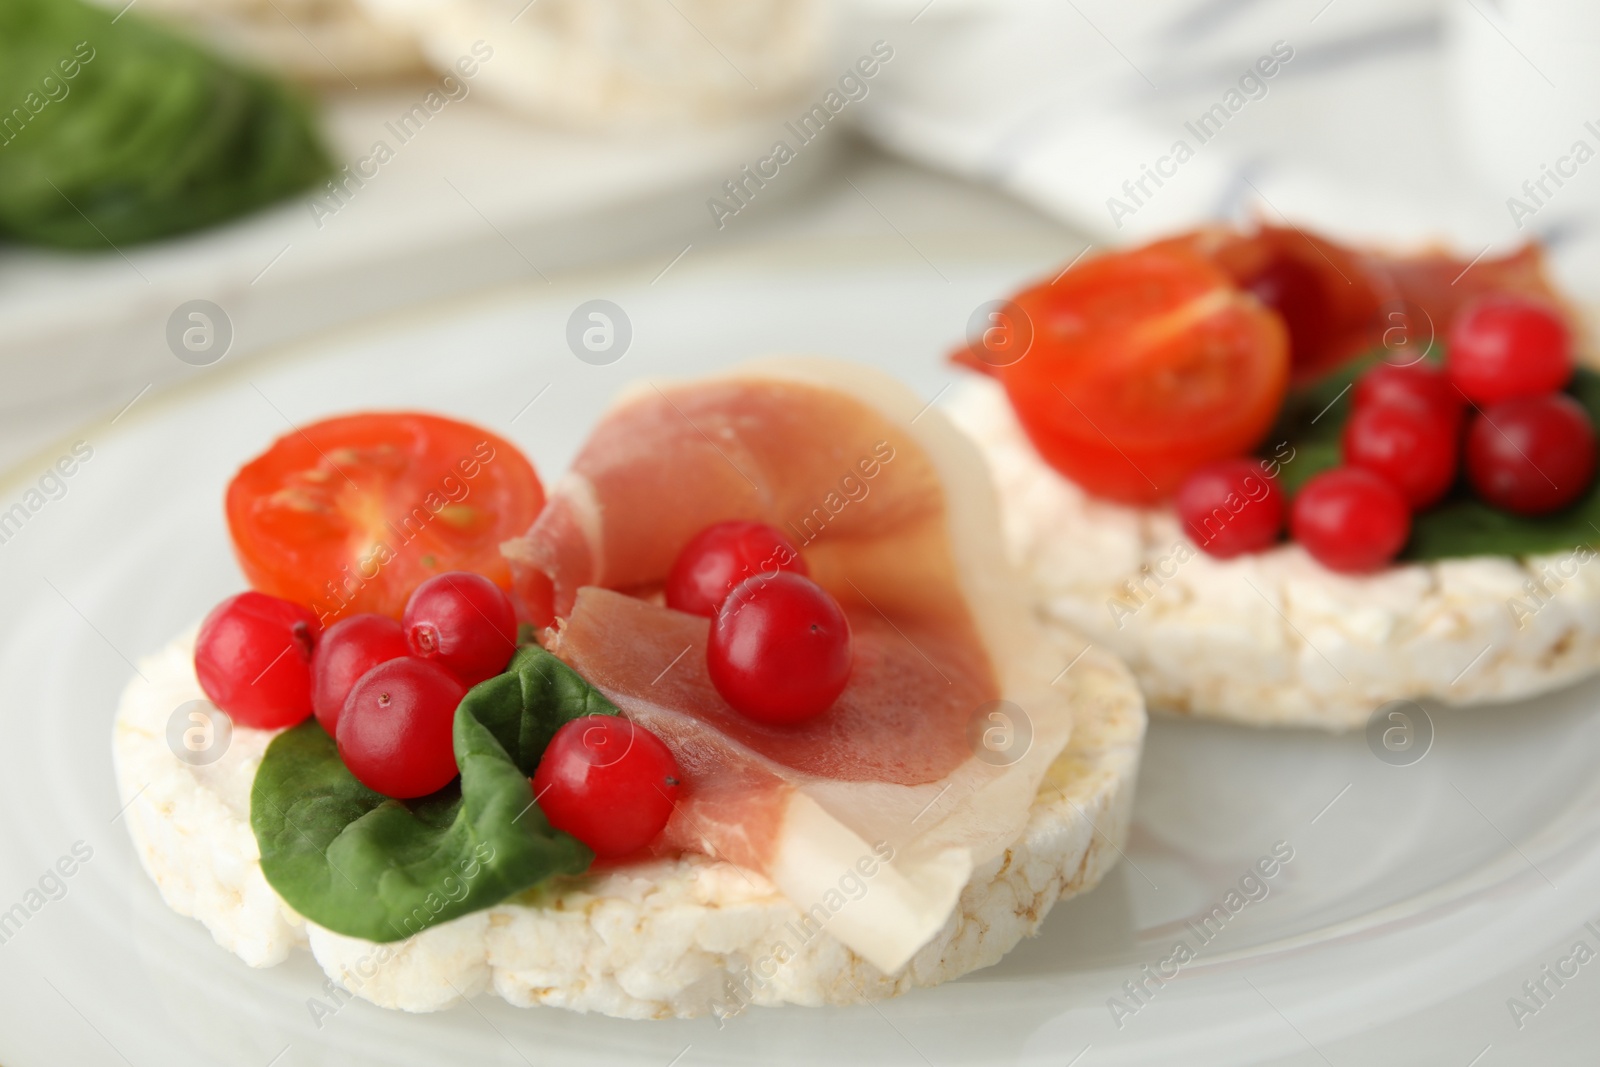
[780,648]
[1496,407]
[386,691]
[779,652]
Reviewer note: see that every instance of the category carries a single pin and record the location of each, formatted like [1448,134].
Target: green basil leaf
[364,865]
[1308,432]
[115,130]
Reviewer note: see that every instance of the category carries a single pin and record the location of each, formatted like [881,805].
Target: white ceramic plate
[1418,898]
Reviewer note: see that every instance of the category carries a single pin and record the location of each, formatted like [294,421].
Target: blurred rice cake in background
[320,42]
[588,63]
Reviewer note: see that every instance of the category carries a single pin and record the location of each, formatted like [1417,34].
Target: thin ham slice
[1368,292]
[894,514]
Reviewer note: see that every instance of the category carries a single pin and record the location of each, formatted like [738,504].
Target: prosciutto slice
[1362,295]
[926,766]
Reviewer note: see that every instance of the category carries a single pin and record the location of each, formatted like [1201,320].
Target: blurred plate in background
[475,197]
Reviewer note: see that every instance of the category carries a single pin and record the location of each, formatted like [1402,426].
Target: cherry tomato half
[1145,366]
[353,513]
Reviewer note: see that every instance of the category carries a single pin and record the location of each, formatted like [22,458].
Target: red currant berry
[780,649]
[396,727]
[720,557]
[253,658]
[1505,346]
[607,782]
[1350,520]
[1532,455]
[1416,385]
[1231,507]
[350,648]
[464,622]
[1413,448]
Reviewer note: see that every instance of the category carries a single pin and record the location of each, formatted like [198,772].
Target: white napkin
[1070,104]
